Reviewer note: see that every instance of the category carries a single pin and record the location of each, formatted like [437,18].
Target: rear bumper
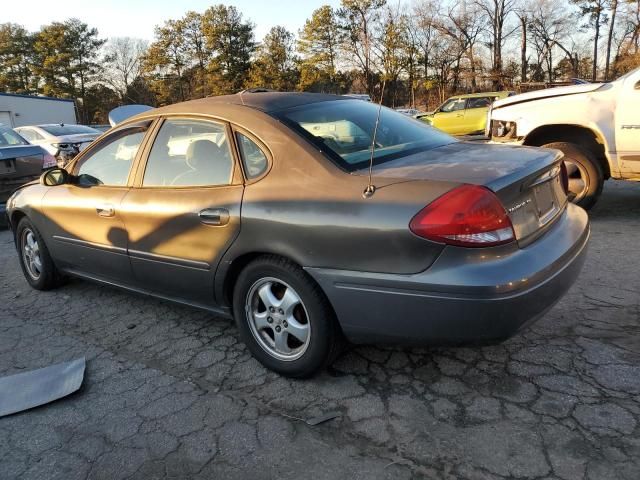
[466,296]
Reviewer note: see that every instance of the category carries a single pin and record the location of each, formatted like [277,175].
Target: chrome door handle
[106,210]
[214,216]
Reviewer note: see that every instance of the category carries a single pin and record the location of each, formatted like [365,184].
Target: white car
[61,140]
[595,125]
[411,112]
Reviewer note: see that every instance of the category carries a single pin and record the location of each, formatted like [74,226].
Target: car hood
[77,138]
[494,166]
[547,93]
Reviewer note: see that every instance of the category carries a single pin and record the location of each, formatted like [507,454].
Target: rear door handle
[214,216]
[106,210]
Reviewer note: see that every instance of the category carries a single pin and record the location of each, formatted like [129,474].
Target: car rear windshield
[10,138]
[344,129]
[60,130]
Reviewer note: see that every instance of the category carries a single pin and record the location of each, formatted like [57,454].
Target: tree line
[419,52]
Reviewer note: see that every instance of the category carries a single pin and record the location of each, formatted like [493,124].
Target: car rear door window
[111,162]
[253,158]
[189,153]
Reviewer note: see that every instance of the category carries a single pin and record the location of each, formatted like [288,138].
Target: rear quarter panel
[312,212]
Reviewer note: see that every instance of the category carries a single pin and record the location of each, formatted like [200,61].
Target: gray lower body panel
[467,296]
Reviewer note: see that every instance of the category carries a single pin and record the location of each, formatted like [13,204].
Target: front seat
[208,164]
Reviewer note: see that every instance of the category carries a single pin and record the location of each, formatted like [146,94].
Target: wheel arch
[579,134]
[14,219]
[227,276]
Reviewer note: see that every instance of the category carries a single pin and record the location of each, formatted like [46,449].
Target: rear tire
[35,260]
[586,178]
[284,318]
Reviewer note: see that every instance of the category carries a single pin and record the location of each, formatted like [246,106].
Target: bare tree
[550,26]
[523,14]
[594,10]
[464,27]
[612,23]
[390,49]
[424,17]
[497,13]
[357,19]
[123,62]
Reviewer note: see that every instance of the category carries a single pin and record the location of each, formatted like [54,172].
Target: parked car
[63,141]
[358,96]
[101,127]
[19,163]
[464,114]
[595,125]
[449,242]
[411,112]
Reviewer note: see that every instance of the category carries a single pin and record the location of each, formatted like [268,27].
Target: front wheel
[585,173]
[284,318]
[35,260]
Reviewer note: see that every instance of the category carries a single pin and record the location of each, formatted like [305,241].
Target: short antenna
[371,188]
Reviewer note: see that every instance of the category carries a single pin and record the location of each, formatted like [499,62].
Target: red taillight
[564,177]
[468,216]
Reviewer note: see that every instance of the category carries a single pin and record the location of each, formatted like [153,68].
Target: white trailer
[21,110]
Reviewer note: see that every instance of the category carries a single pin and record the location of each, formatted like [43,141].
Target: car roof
[484,94]
[264,101]
[58,125]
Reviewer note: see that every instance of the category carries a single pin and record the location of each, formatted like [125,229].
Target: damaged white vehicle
[595,125]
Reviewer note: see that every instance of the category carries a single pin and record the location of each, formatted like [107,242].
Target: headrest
[202,149]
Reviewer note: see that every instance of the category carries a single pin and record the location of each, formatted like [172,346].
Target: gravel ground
[170,392]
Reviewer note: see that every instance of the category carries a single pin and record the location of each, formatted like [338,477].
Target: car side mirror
[637,85]
[54,177]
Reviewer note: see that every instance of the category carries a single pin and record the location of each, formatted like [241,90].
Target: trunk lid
[526,180]
[19,164]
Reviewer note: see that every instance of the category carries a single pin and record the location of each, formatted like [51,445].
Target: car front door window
[110,164]
[453,105]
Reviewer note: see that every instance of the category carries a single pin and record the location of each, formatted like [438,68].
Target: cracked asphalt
[170,392]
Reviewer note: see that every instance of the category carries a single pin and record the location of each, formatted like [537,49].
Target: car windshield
[10,138]
[60,130]
[345,128]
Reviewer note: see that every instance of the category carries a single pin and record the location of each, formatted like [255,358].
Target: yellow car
[464,114]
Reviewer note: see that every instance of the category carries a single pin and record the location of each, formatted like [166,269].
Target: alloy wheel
[578,180]
[31,254]
[278,319]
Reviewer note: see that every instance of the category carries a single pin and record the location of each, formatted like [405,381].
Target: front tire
[35,260]
[284,318]
[586,178]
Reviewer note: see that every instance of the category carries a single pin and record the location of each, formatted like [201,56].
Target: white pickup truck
[595,125]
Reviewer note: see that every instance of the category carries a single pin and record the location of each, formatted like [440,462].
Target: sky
[137,18]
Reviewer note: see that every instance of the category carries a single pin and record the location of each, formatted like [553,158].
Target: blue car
[20,163]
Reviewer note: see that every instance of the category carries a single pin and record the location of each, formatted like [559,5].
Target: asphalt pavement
[170,392]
